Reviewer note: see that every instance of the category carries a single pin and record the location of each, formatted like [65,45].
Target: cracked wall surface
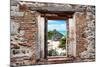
[23,35]
[85,23]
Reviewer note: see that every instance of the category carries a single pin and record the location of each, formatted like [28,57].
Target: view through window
[57,33]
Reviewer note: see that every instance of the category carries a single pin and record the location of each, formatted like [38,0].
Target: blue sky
[59,25]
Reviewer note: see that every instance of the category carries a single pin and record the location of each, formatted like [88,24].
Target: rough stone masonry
[24,31]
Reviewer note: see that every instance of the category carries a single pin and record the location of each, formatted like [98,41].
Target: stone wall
[85,30]
[24,35]
[27,31]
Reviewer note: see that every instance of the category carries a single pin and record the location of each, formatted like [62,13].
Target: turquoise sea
[63,32]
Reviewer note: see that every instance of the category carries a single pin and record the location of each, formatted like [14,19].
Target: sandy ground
[54,45]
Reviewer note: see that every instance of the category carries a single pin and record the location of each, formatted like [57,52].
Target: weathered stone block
[23,7]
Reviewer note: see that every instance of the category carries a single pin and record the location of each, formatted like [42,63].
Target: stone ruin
[26,39]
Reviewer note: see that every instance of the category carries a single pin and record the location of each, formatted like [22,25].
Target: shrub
[63,43]
[53,52]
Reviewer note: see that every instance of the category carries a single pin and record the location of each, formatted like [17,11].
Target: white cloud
[57,27]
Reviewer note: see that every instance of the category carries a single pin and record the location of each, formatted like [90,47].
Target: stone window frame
[46,17]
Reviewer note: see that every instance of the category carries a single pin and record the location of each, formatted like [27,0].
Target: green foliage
[62,54]
[53,52]
[50,34]
[63,43]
